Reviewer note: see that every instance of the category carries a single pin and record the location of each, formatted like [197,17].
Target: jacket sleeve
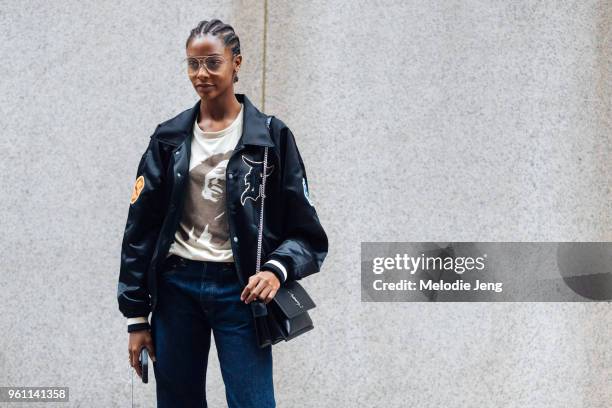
[142,229]
[305,245]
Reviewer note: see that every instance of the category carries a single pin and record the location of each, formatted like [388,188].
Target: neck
[219,108]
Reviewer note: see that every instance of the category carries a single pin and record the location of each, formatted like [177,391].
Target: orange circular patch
[138,186]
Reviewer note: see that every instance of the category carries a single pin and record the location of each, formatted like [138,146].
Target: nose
[202,72]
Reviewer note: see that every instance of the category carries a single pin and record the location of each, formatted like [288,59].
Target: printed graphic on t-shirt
[204,214]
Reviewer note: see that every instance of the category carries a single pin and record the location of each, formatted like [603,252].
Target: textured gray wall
[417,121]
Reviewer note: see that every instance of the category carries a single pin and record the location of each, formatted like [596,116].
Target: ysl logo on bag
[297,302]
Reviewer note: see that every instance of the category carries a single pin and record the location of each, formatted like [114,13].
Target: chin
[204,94]
[210,95]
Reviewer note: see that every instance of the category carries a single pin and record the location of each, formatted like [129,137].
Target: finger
[252,295]
[135,363]
[245,292]
[138,364]
[253,279]
[151,350]
[271,295]
[264,293]
[132,361]
[255,292]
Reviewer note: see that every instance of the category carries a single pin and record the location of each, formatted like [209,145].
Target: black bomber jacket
[294,243]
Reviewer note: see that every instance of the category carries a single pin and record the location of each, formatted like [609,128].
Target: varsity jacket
[294,244]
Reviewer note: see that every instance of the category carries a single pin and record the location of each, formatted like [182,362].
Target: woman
[190,243]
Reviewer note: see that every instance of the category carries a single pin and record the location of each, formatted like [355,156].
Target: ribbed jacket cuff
[278,268]
[137,323]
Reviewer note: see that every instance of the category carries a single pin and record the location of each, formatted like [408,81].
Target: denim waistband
[175,259]
[177,267]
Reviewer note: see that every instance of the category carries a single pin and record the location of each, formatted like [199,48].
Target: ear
[237,62]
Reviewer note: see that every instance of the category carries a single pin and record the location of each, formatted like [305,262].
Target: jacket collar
[254,130]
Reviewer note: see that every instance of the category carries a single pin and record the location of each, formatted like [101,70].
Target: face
[209,83]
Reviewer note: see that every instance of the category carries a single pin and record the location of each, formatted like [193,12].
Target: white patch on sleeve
[306,191]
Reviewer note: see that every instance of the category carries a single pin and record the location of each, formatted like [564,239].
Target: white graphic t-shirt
[203,233]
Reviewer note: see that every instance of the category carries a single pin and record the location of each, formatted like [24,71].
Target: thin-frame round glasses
[212,63]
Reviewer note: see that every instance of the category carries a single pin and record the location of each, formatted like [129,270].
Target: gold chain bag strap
[286,316]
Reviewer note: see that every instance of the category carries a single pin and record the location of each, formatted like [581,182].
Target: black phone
[144,364]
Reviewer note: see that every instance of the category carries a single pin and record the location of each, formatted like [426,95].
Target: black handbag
[286,316]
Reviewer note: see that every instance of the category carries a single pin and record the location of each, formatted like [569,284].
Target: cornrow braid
[219,29]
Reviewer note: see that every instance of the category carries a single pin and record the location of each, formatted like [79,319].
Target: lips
[204,85]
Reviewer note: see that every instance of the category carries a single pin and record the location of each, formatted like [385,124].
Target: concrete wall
[417,121]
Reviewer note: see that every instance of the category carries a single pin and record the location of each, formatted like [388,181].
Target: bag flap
[293,299]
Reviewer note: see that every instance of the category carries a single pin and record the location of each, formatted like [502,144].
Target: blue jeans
[195,297]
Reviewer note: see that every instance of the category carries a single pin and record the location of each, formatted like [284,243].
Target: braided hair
[219,29]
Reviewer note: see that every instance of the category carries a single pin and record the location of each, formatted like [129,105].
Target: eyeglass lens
[212,64]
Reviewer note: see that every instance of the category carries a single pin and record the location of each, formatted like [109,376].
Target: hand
[138,340]
[263,285]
